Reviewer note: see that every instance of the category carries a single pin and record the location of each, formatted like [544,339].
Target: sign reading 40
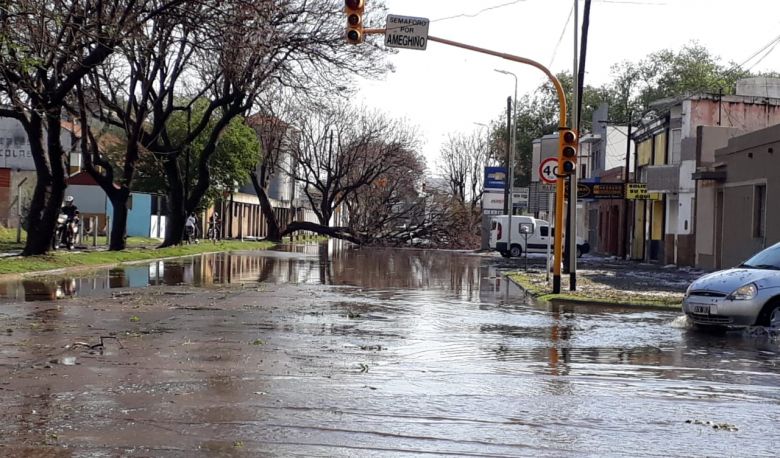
[548,170]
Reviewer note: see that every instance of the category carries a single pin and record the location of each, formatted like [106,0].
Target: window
[674,146]
[543,230]
[759,211]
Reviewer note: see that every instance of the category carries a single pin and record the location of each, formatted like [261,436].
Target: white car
[747,295]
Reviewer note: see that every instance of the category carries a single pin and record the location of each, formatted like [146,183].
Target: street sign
[638,191]
[406,32]
[548,170]
[608,190]
[587,190]
[492,201]
[495,178]
[520,195]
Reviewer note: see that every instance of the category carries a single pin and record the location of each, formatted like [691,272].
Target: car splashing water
[327,351]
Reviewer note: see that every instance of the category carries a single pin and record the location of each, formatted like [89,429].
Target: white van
[525,228]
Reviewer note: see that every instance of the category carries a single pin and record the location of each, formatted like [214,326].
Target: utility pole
[571,229]
[626,238]
[507,184]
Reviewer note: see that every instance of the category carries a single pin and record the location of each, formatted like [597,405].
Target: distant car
[527,234]
[747,295]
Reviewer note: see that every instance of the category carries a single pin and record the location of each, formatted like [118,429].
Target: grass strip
[588,292]
[8,241]
[66,259]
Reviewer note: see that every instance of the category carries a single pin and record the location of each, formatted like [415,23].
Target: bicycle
[213,232]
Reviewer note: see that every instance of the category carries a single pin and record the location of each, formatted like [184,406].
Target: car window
[766,259]
[543,230]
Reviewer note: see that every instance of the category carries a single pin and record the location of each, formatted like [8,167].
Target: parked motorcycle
[67,232]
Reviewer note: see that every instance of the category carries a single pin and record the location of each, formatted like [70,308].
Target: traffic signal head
[354,11]
[568,151]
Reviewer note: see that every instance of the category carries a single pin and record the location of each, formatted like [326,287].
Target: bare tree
[391,209]
[341,151]
[46,49]
[138,91]
[225,52]
[274,135]
[463,159]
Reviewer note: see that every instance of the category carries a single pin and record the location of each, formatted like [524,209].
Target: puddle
[366,352]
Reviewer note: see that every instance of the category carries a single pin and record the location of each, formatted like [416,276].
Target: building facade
[669,151]
[744,180]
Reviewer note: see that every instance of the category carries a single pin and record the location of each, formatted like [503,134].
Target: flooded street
[316,351]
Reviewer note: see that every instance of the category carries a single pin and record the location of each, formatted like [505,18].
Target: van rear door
[496,232]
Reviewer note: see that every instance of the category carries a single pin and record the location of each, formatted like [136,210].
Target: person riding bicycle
[69,209]
[66,229]
[189,228]
[214,226]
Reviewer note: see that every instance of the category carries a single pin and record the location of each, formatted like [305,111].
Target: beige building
[669,153]
[744,185]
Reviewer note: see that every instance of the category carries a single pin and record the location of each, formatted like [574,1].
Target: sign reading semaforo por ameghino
[406,32]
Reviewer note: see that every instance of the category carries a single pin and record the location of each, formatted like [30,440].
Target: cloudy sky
[446,89]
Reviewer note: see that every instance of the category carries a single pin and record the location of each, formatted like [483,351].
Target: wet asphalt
[324,351]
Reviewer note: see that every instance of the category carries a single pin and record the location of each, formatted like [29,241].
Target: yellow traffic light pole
[559,186]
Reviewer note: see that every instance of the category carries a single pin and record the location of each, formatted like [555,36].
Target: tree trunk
[44,210]
[342,233]
[274,231]
[119,223]
[177,213]
[49,187]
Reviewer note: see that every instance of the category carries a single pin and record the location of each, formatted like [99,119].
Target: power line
[469,15]
[771,44]
[465,15]
[560,39]
[769,51]
[630,2]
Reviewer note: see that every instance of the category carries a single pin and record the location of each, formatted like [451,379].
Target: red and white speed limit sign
[548,170]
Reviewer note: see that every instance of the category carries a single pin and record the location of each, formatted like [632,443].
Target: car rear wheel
[516,251]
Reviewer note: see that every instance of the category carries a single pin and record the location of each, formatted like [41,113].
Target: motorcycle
[67,231]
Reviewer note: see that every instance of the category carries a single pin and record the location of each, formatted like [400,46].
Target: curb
[542,300]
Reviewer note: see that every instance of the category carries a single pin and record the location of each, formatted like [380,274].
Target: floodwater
[319,351]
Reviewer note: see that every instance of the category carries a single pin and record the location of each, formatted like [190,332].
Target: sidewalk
[610,281]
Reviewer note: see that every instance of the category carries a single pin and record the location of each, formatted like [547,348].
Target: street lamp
[513,138]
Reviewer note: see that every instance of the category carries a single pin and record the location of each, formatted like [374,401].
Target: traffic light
[354,10]
[568,151]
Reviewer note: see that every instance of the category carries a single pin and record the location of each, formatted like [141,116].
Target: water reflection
[428,351]
[39,290]
[326,263]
